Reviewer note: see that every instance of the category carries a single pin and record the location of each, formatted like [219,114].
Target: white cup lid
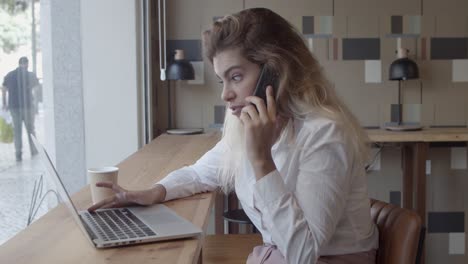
[103,169]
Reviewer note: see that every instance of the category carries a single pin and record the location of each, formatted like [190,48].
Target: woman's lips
[236,110]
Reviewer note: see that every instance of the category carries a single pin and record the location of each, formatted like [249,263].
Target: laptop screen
[52,175]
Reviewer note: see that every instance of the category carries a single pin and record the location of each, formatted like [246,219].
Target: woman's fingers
[115,187]
[114,205]
[119,197]
[101,204]
[251,112]
[244,118]
[259,104]
[266,110]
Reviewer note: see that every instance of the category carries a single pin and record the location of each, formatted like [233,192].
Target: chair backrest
[399,233]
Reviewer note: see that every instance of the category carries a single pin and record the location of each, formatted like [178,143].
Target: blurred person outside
[18,86]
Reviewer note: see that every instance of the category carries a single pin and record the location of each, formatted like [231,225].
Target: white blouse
[315,203]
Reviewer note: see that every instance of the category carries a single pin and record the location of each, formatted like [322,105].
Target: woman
[296,161]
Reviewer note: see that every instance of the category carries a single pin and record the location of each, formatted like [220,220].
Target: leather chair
[401,234]
[401,239]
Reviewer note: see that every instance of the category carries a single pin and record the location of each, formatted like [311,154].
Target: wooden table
[55,238]
[415,145]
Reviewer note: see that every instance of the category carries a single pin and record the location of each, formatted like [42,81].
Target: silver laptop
[122,226]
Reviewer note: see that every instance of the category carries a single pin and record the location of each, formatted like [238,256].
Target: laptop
[121,226]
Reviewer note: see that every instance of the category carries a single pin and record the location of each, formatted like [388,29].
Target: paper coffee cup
[102,174]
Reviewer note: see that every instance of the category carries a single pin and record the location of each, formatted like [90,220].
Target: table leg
[200,258]
[218,212]
[233,203]
[407,178]
[420,157]
[420,154]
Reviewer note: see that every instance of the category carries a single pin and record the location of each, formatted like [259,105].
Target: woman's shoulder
[318,123]
[315,129]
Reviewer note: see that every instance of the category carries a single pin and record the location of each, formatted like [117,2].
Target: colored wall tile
[199,67]
[335,49]
[324,25]
[404,26]
[394,113]
[330,49]
[308,25]
[395,198]
[373,71]
[423,49]
[449,48]
[460,70]
[458,158]
[361,49]
[396,25]
[456,243]
[446,222]
[317,26]
[192,49]
[412,25]
[412,113]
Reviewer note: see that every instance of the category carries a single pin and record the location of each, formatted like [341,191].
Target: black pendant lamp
[180,68]
[403,68]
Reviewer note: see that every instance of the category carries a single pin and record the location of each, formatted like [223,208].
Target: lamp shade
[403,69]
[180,69]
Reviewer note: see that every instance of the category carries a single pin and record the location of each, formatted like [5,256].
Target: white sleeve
[302,222]
[197,178]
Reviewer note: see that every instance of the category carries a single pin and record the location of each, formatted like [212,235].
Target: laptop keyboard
[118,224]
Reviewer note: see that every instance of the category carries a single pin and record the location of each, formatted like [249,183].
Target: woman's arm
[186,181]
[123,197]
[199,177]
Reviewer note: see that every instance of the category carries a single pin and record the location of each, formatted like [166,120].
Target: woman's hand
[260,130]
[122,197]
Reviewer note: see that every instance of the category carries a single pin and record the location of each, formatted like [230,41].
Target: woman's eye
[237,77]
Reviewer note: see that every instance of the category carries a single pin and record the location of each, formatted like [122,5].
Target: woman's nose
[227,94]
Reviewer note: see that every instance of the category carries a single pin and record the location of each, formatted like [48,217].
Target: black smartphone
[266,78]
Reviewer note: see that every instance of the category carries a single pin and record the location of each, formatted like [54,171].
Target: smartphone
[266,78]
